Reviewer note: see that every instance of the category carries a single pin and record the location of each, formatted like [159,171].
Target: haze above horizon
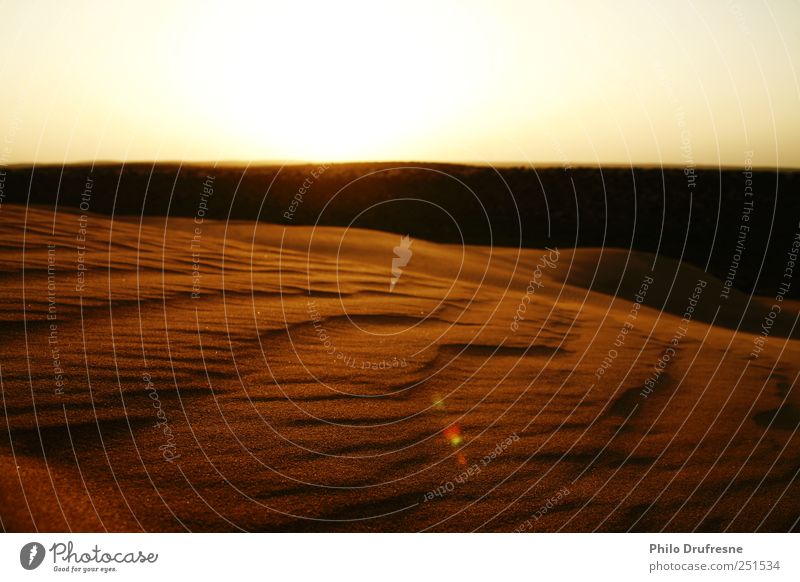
[627,82]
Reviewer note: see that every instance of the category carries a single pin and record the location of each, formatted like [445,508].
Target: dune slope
[172,375]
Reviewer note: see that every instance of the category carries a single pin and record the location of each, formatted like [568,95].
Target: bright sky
[613,82]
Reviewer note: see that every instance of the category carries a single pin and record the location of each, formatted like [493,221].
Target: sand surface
[295,392]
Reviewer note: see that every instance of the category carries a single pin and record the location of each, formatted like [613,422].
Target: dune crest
[275,378]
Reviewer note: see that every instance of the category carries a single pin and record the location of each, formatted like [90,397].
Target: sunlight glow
[437,80]
[325,87]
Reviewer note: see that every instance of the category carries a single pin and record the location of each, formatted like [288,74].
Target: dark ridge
[696,217]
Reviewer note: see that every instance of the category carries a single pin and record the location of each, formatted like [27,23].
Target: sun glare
[451,80]
[323,87]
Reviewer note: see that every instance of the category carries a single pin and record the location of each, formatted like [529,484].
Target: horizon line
[549,165]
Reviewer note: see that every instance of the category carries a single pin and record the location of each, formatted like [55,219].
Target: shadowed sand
[298,393]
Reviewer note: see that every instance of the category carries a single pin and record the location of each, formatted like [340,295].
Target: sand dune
[284,387]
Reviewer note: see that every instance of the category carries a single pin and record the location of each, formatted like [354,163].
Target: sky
[572,82]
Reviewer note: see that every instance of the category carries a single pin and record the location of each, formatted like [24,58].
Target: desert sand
[221,376]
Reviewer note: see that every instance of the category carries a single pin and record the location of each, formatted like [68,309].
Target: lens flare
[453,435]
